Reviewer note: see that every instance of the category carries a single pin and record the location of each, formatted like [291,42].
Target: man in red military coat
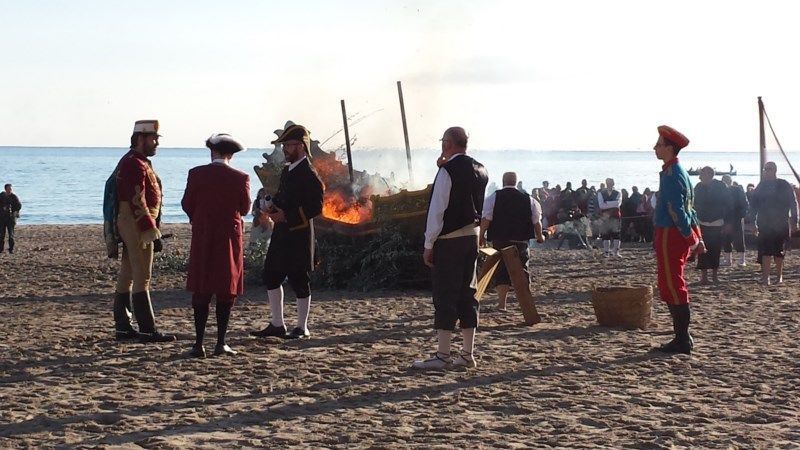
[217,196]
[138,219]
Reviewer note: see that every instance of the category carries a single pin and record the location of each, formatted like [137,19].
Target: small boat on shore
[731,171]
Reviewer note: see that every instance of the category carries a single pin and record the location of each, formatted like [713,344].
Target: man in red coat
[217,197]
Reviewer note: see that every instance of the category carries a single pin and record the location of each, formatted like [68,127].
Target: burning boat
[359,207]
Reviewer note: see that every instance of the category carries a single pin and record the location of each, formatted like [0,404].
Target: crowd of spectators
[569,206]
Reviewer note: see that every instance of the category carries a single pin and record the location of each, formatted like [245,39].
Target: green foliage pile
[389,259]
[254,263]
[170,260]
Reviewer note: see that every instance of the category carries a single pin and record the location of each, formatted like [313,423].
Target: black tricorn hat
[295,133]
[224,144]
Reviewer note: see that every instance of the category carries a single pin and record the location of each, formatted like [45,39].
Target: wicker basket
[623,306]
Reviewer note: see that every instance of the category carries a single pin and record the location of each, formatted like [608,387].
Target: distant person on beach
[510,218]
[712,205]
[261,230]
[291,249]
[733,231]
[775,211]
[581,197]
[216,199]
[677,235]
[644,211]
[451,249]
[9,213]
[138,220]
[609,201]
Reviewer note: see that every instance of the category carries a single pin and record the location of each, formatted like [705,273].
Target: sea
[64,185]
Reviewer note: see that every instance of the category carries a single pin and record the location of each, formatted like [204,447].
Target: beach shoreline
[566,382]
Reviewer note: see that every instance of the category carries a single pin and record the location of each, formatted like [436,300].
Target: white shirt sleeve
[488,206]
[536,211]
[606,204]
[440,198]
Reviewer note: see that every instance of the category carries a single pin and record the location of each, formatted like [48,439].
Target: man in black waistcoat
[609,202]
[510,217]
[9,212]
[291,249]
[451,248]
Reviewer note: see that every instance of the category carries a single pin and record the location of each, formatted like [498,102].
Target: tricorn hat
[295,133]
[224,144]
[673,136]
[146,126]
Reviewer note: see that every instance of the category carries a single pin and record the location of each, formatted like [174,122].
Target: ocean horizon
[64,185]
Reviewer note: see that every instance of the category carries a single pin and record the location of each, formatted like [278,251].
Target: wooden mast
[347,143]
[405,134]
[762,140]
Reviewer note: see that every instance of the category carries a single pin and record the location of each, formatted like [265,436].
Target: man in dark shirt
[451,248]
[733,231]
[711,203]
[775,207]
[581,197]
[9,212]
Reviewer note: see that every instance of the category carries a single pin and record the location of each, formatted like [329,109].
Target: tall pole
[762,140]
[405,133]
[347,143]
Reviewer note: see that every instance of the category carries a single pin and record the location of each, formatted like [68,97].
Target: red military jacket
[139,186]
[217,196]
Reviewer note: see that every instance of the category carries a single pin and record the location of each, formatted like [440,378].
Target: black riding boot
[200,320]
[223,317]
[685,341]
[671,346]
[122,317]
[143,310]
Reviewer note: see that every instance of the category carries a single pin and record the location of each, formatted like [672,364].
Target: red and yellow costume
[139,196]
[139,193]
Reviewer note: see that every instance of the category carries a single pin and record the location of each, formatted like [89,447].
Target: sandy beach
[567,382]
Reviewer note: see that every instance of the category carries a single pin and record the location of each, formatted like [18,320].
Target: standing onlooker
[9,213]
[581,197]
[733,232]
[608,202]
[216,199]
[644,211]
[711,204]
[775,209]
[261,231]
[451,248]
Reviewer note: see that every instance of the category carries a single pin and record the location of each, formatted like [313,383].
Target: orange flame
[337,207]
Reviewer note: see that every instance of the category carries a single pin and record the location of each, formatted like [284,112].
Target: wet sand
[566,382]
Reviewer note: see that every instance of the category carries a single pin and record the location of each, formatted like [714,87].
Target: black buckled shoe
[270,331]
[126,335]
[298,333]
[225,350]
[670,347]
[197,352]
[156,337]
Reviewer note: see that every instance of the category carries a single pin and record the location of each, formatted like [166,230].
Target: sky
[542,75]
